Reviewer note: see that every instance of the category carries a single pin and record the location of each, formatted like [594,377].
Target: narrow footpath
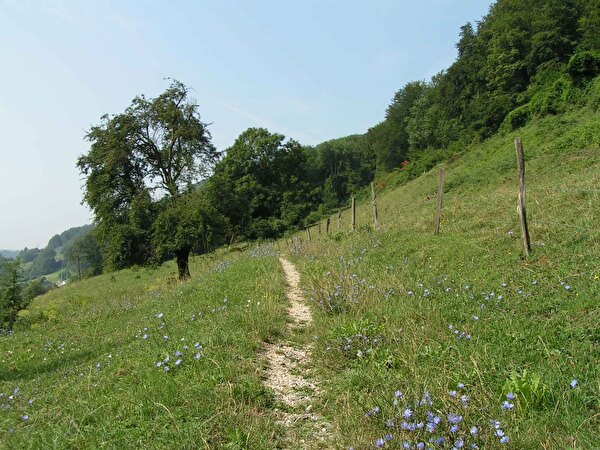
[287,374]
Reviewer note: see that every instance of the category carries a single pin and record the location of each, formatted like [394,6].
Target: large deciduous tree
[156,150]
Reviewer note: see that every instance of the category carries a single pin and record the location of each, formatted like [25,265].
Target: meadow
[420,341]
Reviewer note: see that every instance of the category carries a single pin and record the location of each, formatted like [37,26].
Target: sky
[312,70]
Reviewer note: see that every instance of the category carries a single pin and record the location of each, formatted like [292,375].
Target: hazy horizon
[312,71]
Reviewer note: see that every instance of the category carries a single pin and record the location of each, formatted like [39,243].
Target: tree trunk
[182,263]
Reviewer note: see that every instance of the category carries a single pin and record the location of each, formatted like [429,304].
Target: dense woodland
[522,61]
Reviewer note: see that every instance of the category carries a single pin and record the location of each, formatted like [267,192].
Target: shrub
[584,66]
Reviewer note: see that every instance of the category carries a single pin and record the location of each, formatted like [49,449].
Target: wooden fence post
[339,218]
[309,236]
[374,203]
[353,213]
[521,198]
[327,226]
[438,205]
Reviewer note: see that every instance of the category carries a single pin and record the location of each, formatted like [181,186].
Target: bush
[584,66]
[517,118]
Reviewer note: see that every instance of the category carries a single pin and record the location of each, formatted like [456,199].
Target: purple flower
[499,432]
[407,413]
[25,417]
[421,445]
[510,396]
[398,394]
[178,362]
[388,437]
[474,430]
[574,383]
[454,418]
[507,405]
[464,400]
[197,345]
[452,393]
[159,315]
[459,443]
[379,443]
[460,385]
[454,428]
[504,440]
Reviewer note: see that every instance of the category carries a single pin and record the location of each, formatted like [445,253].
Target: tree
[10,293]
[156,149]
[259,182]
[189,221]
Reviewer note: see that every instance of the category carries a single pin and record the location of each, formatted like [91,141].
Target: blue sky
[312,70]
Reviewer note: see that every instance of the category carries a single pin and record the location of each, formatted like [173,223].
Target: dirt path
[288,374]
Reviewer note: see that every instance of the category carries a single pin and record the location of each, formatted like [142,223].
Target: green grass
[383,304]
[80,355]
[380,331]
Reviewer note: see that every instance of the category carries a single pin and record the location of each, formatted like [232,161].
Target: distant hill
[9,253]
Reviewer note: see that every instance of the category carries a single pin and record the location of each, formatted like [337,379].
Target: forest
[159,189]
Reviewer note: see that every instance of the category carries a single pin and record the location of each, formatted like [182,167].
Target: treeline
[522,60]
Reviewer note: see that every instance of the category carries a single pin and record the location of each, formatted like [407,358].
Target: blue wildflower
[510,396]
[504,440]
[407,413]
[574,383]
[474,430]
[379,443]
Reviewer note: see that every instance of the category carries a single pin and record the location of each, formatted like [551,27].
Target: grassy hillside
[87,359]
[400,316]
[401,310]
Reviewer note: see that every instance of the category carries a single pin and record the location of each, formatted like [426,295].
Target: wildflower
[510,396]
[504,440]
[474,430]
[504,285]
[197,345]
[500,297]
[507,405]
[567,287]
[30,401]
[398,394]
[159,315]
[158,363]
[390,424]
[388,437]
[166,338]
[178,362]
[197,356]
[97,365]
[499,432]
[166,368]
[534,282]
[574,383]
[379,443]
[439,441]
[359,354]
[459,443]
[475,318]
[178,353]
[421,445]
[454,428]
[407,413]
[185,347]
[460,386]
[145,336]
[25,417]
[452,393]
[454,418]
[376,410]
[464,400]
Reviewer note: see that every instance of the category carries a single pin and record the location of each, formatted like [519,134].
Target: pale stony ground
[288,375]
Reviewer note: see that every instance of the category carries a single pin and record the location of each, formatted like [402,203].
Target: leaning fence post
[438,205]
[353,213]
[374,203]
[327,226]
[309,236]
[339,218]
[521,198]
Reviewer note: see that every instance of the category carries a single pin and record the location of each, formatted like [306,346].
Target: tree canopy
[156,149]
